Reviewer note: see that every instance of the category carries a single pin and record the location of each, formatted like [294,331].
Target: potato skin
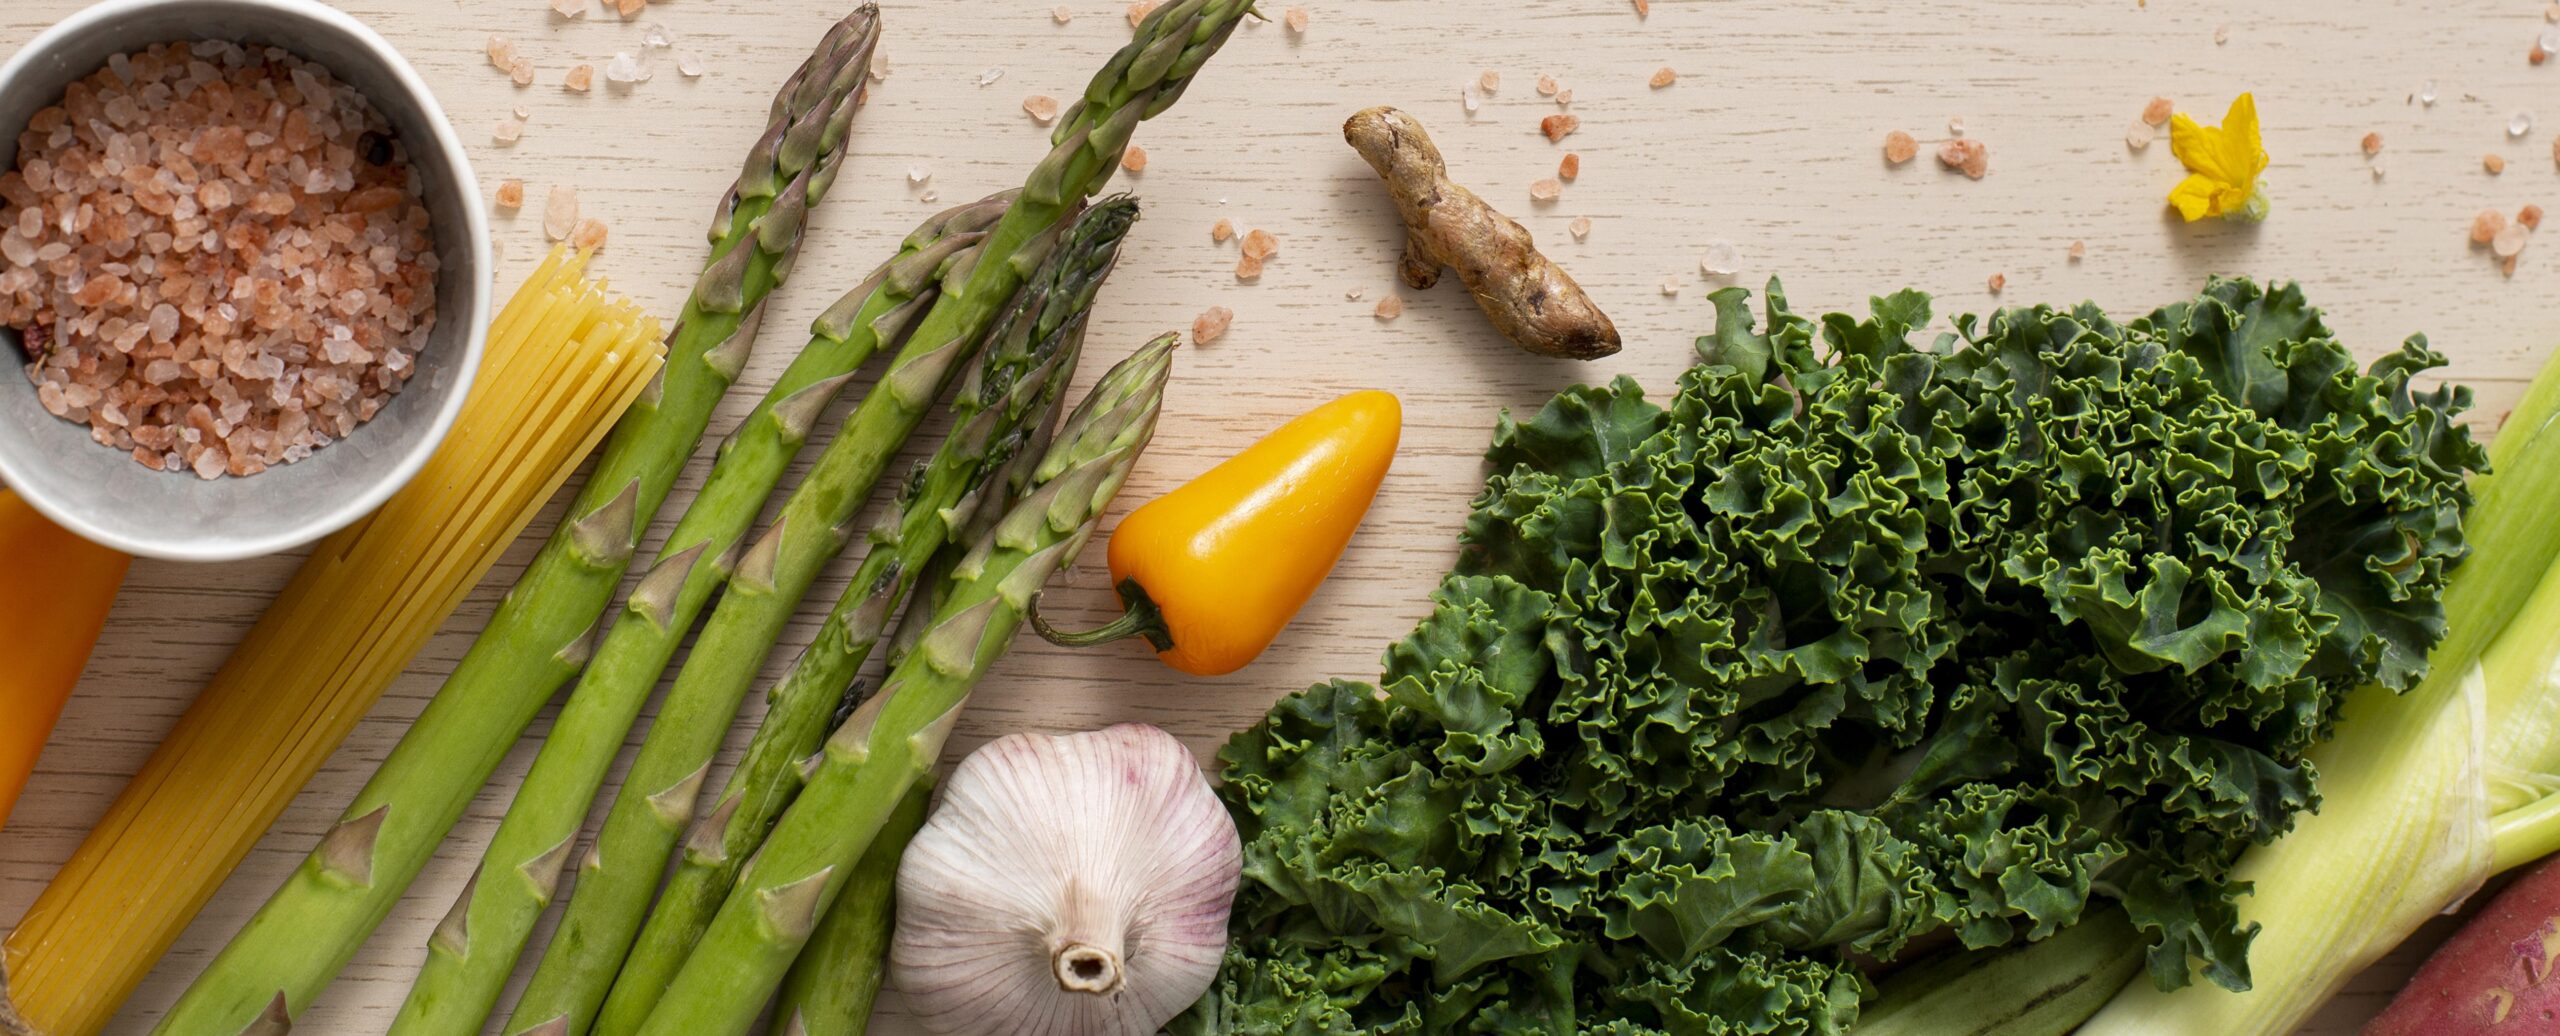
[2494,977]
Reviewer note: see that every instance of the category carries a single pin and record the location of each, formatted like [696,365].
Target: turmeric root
[1531,300]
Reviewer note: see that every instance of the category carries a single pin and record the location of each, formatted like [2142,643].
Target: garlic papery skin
[1073,885]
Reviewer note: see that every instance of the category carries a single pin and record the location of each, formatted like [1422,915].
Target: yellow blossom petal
[2225,162]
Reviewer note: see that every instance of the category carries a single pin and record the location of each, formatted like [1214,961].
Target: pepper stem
[1086,968]
[1141,618]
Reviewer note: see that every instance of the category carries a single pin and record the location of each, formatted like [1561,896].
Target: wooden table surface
[1769,140]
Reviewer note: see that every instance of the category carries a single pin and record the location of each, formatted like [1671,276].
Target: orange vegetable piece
[62,586]
[1212,571]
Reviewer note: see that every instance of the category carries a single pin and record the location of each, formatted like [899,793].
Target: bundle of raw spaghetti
[565,358]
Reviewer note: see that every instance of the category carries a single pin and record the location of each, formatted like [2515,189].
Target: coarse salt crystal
[1663,77]
[1581,228]
[625,69]
[1971,157]
[1134,159]
[521,72]
[2079,250]
[1564,98]
[1296,20]
[1248,268]
[655,36]
[1355,294]
[2519,124]
[1720,259]
[1259,244]
[989,77]
[510,194]
[569,8]
[1671,285]
[1999,282]
[502,53]
[2372,144]
[1389,307]
[588,236]
[1041,107]
[1899,147]
[1547,189]
[1547,85]
[580,79]
[2530,216]
[2140,135]
[2510,241]
[508,130]
[2494,163]
[1570,167]
[2221,34]
[2486,225]
[2157,111]
[917,175]
[560,212]
[1139,11]
[630,8]
[1467,99]
[1489,81]
[1955,126]
[1062,14]
[689,64]
[1212,324]
[1223,231]
[1557,127]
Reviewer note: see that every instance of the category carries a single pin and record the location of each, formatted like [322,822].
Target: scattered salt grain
[2519,124]
[1663,77]
[1971,157]
[1720,259]
[521,72]
[2493,162]
[508,130]
[1296,20]
[917,175]
[1544,190]
[1467,99]
[1224,231]
[879,65]
[1134,159]
[2157,111]
[1547,85]
[560,212]
[2079,250]
[930,195]
[1389,307]
[1248,268]
[1999,281]
[655,36]
[1355,294]
[2530,216]
[989,77]
[510,194]
[502,53]
[588,236]
[1490,81]
[2509,241]
[630,8]
[1259,244]
[1564,98]
[1643,8]
[2427,94]
[1139,11]
[2140,135]
[1212,324]
[1671,285]
[625,69]
[2221,34]
[2486,225]
[569,8]
[1581,228]
[1558,127]
[1570,168]
[1042,108]
[1899,147]
[1062,14]
[689,64]
[2372,144]
[1955,126]
[580,79]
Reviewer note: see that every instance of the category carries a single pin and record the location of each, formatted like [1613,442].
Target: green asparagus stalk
[871,762]
[1047,320]
[545,630]
[830,989]
[475,949]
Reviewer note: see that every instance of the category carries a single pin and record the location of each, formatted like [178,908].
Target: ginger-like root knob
[1531,300]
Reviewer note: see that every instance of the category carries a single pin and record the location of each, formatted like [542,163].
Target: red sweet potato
[2494,977]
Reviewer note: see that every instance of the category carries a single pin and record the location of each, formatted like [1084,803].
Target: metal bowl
[100,493]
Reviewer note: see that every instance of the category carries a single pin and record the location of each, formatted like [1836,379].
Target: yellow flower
[2222,163]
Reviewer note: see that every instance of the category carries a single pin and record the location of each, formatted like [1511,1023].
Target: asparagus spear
[830,989]
[545,630]
[474,951]
[893,740]
[1048,320]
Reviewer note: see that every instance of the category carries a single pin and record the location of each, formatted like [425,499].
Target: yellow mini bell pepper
[1212,571]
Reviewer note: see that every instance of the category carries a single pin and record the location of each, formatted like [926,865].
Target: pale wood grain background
[1769,140]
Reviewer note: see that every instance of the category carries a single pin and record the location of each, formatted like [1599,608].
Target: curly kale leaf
[1852,641]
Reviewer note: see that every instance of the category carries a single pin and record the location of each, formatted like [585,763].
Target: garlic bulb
[1071,885]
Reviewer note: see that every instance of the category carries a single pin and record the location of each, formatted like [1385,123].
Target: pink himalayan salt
[1212,324]
[228,268]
